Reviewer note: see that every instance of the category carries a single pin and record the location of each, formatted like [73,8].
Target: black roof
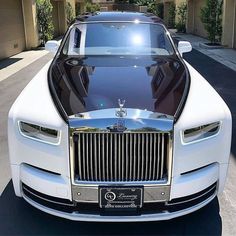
[119,16]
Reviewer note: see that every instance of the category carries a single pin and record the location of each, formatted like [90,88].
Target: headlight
[201,132]
[39,133]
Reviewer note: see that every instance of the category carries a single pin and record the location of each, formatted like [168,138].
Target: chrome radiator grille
[120,156]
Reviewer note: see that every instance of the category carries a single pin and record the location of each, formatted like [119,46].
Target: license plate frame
[120,197]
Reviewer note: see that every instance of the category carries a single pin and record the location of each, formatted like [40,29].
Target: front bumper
[154,212]
[52,194]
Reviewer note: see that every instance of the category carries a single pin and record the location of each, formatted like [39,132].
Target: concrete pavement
[225,56]
[17,62]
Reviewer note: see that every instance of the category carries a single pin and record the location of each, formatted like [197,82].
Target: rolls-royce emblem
[119,126]
[121,112]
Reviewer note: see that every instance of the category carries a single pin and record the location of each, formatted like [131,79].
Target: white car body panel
[35,105]
[185,177]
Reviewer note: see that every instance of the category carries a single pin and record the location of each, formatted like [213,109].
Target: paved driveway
[19,218]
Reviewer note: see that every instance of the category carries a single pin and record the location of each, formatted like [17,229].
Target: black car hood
[81,84]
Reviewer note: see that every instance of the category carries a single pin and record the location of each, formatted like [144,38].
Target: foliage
[151,5]
[70,14]
[160,10]
[182,17]
[91,7]
[44,17]
[77,9]
[171,15]
[211,17]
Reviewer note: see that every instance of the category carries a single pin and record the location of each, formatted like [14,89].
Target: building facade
[196,27]
[18,24]
[19,29]
[229,23]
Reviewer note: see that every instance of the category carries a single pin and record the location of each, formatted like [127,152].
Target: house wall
[194,24]
[229,23]
[18,24]
[12,35]
[55,18]
[30,23]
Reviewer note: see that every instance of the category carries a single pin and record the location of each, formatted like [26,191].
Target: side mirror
[184,46]
[52,46]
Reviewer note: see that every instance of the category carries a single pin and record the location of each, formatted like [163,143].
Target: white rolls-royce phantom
[118,127]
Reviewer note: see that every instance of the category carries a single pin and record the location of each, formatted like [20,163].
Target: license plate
[121,198]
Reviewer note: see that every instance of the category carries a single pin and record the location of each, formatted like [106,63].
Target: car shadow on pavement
[19,218]
[7,62]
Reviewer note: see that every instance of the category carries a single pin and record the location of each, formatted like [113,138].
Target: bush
[77,9]
[151,5]
[180,27]
[70,14]
[90,7]
[211,17]
[44,17]
[182,17]
[171,15]
[160,10]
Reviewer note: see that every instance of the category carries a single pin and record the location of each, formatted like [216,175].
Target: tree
[182,17]
[160,10]
[171,15]
[70,14]
[91,7]
[44,16]
[211,17]
[151,5]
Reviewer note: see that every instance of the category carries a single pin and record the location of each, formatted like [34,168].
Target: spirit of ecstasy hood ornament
[121,112]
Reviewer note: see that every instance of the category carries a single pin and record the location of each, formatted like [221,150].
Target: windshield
[118,38]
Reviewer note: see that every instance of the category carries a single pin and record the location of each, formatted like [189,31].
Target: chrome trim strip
[95,157]
[87,156]
[103,161]
[111,158]
[91,155]
[154,193]
[115,142]
[162,154]
[123,160]
[192,199]
[130,156]
[208,127]
[121,183]
[151,157]
[80,164]
[84,168]
[45,199]
[119,158]
[99,159]
[56,143]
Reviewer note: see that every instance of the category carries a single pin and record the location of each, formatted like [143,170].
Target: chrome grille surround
[94,124]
